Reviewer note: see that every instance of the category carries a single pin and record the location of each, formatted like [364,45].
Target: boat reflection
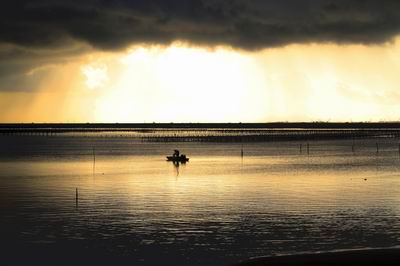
[177,164]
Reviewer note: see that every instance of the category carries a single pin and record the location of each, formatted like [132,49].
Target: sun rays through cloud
[185,83]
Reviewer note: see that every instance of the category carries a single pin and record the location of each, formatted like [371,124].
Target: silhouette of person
[176,153]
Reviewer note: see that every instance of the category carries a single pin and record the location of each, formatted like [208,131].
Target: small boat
[178,159]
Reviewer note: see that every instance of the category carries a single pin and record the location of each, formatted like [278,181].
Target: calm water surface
[215,210]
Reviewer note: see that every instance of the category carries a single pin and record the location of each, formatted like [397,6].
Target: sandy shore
[378,257]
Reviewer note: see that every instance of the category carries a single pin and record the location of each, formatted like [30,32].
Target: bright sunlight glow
[180,84]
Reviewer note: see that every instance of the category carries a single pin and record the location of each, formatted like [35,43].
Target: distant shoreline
[212,132]
[275,125]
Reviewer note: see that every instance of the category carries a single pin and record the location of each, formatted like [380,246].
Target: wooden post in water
[94,161]
[353,147]
[377,147]
[76,197]
[301,148]
[242,154]
[308,148]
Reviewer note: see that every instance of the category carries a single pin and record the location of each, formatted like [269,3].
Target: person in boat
[176,154]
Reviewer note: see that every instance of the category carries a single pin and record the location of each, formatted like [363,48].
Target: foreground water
[218,209]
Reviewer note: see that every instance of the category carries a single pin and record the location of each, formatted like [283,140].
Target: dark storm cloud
[245,24]
[248,24]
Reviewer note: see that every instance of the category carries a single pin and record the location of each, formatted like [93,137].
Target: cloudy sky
[199,60]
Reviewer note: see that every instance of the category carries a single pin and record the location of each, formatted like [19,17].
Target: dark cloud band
[248,24]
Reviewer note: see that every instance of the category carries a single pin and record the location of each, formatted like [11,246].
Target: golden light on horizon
[183,83]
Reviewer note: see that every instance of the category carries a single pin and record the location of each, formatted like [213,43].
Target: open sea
[79,198]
